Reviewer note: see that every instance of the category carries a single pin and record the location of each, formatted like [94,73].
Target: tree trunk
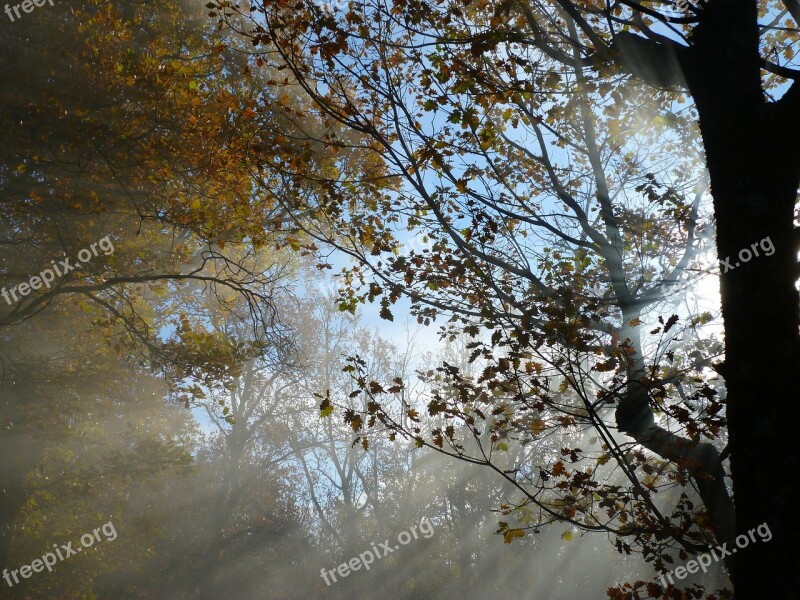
[753,162]
[760,311]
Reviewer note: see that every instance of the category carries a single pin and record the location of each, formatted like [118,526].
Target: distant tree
[126,125]
[137,127]
[84,433]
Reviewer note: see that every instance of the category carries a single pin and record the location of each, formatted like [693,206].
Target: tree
[127,125]
[83,432]
[146,139]
[55,192]
[550,153]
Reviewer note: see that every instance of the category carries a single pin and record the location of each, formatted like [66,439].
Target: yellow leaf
[537,425]
[533,366]
[510,534]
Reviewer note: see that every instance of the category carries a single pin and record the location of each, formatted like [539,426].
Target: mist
[380,299]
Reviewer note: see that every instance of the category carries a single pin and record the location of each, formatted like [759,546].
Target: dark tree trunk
[753,161]
[760,311]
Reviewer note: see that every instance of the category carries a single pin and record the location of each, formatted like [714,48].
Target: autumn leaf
[537,425]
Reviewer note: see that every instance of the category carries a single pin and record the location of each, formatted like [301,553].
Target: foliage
[565,210]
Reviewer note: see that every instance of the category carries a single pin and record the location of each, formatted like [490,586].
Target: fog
[249,352]
[259,506]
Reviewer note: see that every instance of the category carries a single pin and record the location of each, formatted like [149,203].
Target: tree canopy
[556,185]
[566,161]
